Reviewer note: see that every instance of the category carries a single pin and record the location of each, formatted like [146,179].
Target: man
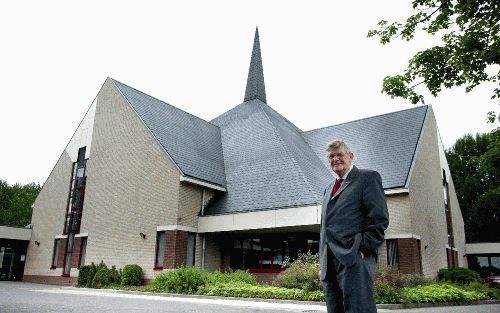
[354,218]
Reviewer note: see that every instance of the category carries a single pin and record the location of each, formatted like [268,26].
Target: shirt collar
[345,175]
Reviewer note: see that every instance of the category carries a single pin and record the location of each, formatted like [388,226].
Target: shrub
[493,293]
[180,280]
[86,274]
[115,275]
[91,274]
[102,278]
[258,291]
[442,292]
[301,273]
[231,277]
[308,257]
[386,292]
[132,275]
[459,275]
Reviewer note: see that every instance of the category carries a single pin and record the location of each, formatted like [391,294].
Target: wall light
[143,235]
[37,242]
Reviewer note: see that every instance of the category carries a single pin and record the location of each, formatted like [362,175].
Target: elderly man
[354,218]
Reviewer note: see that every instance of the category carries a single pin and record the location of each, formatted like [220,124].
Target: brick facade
[75,257]
[409,256]
[50,280]
[176,248]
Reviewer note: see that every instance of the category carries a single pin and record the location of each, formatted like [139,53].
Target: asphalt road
[18,297]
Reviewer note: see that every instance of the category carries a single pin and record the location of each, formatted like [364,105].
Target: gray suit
[352,221]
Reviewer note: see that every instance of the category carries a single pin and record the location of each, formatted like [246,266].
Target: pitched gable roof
[385,143]
[193,144]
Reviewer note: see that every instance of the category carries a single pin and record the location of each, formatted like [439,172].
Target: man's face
[340,160]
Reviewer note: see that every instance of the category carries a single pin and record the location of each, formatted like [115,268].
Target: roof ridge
[285,147]
[367,118]
[173,106]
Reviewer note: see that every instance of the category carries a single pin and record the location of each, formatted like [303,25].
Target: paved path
[25,297]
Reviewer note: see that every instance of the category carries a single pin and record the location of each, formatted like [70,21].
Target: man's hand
[362,255]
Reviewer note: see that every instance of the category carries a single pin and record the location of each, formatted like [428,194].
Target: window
[392,253]
[160,249]
[83,250]
[55,254]
[190,249]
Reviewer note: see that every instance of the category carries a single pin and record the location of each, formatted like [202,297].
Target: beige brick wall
[212,254]
[427,200]
[399,214]
[458,224]
[49,210]
[189,205]
[132,186]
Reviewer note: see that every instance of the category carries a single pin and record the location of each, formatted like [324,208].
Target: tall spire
[255,82]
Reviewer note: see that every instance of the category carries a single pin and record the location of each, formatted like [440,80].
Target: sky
[320,68]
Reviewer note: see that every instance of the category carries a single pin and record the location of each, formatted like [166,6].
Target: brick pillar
[75,257]
[62,251]
[176,248]
[409,256]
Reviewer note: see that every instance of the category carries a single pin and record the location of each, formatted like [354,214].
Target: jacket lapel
[352,175]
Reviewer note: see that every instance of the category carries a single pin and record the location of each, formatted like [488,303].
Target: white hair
[336,144]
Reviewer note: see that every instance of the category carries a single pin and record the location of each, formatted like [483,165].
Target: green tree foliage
[470,37]
[475,165]
[15,203]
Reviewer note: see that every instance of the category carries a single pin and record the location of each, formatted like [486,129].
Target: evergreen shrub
[132,275]
[458,275]
[86,274]
[102,278]
[301,273]
[180,280]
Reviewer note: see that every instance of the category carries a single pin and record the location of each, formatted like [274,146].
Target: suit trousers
[350,289]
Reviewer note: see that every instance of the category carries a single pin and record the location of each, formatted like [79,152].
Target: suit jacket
[354,219]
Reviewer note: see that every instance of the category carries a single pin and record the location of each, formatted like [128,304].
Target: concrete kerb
[320,303]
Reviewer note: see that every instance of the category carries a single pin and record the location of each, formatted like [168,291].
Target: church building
[143,182]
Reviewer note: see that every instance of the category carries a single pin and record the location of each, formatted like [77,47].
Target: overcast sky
[319,67]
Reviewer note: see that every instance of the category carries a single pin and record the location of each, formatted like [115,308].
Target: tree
[471,45]
[15,203]
[475,166]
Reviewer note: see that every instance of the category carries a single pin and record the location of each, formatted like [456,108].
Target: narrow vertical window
[160,249]
[392,253]
[190,249]
[55,253]
[83,251]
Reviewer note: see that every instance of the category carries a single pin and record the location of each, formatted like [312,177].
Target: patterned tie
[337,186]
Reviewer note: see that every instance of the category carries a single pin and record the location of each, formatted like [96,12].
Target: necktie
[337,186]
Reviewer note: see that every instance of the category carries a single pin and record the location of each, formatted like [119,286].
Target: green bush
[102,278]
[299,275]
[493,293]
[258,291]
[91,274]
[231,277]
[459,275]
[385,292]
[132,275]
[116,276]
[180,280]
[441,292]
[86,274]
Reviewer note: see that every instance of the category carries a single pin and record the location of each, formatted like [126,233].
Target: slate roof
[385,143]
[192,143]
[268,163]
[263,160]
